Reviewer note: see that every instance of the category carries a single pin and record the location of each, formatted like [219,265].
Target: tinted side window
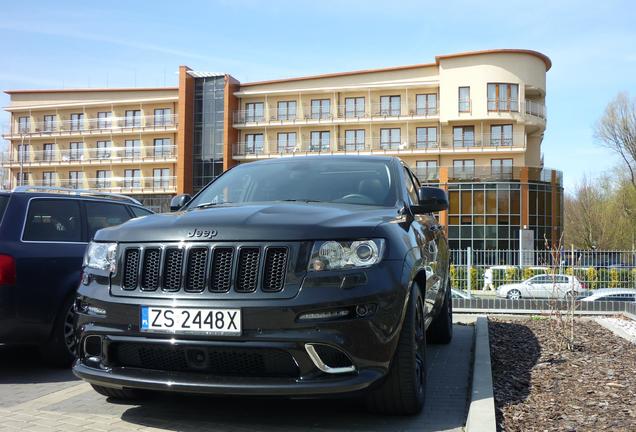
[103,215]
[56,220]
[4,200]
[139,212]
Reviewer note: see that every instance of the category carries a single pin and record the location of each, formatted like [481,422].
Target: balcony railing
[336,112]
[536,109]
[89,155]
[93,126]
[113,184]
[443,144]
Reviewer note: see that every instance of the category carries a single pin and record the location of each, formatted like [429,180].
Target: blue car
[43,237]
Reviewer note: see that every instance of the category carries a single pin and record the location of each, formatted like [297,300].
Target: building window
[501,135]
[132,178]
[163,117]
[162,147]
[426,137]
[24,152]
[501,168]
[464,168]
[254,143]
[74,179]
[354,107]
[161,178]
[286,142]
[463,136]
[390,105]
[77,121]
[132,118]
[426,104]
[76,151]
[320,109]
[464,99]
[320,141]
[503,97]
[49,123]
[354,140]
[104,120]
[132,148]
[254,111]
[426,170]
[287,110]
[22,179]
[48,178]
[390,138]
[103,179]
[103,149]
[48,152]
[24,125]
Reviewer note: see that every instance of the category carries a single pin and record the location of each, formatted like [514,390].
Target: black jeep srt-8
[300,277]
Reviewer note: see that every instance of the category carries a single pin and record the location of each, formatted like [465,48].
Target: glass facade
[207,146]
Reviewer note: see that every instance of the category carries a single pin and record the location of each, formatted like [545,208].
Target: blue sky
[141,43]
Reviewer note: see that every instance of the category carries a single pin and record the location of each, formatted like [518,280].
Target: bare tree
[616,130]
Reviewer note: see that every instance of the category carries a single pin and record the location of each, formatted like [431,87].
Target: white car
[542,286]
[612,294]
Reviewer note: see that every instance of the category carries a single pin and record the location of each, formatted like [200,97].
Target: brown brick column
[185,131]
[230,135]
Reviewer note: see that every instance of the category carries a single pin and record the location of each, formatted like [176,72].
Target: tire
[403,390]
[117,394]
[61,350]
[513,294]
[441,329]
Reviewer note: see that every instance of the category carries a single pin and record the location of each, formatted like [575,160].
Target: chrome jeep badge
[201,233]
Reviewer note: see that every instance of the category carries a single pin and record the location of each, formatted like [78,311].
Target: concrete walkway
[34,398]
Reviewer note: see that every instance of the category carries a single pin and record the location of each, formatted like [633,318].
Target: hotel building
[471,123]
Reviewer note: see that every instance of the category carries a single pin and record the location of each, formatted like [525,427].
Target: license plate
[191,320]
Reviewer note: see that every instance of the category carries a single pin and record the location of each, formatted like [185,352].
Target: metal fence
[485,270]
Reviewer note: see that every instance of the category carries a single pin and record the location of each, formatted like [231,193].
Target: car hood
[255,222]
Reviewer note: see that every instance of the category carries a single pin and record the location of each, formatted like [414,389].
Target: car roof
[36,191]
[612,291]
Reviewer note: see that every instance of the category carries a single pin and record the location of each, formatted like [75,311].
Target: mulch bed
[540,387]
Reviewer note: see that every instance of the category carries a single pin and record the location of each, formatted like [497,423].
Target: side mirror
[179,201]
[431,200]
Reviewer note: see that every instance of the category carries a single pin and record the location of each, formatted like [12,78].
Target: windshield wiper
[301,200]
[211,204]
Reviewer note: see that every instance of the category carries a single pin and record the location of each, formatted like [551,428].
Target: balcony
[444,144]
[92,126]
[337,114]
[89,156]
[536,109]
[143,185]
[483,173]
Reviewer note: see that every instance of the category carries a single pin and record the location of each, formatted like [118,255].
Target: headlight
[336,255]
[101,256]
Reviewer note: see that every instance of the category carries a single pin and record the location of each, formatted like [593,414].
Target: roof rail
[76,192]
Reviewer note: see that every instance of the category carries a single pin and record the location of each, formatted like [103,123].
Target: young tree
[616,130]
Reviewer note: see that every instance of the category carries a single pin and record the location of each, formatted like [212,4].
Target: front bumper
[270,324]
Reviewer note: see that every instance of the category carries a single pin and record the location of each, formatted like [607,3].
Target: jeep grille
[199,268]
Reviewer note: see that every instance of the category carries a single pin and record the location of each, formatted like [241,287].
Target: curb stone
[481,412]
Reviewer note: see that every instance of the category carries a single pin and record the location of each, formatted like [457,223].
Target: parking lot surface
[36,398]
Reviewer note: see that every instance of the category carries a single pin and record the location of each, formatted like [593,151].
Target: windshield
[364,182]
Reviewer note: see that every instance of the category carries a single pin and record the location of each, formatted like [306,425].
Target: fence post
[469,266]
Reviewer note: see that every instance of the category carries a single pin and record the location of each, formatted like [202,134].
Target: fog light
[326,315]
[93,346]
